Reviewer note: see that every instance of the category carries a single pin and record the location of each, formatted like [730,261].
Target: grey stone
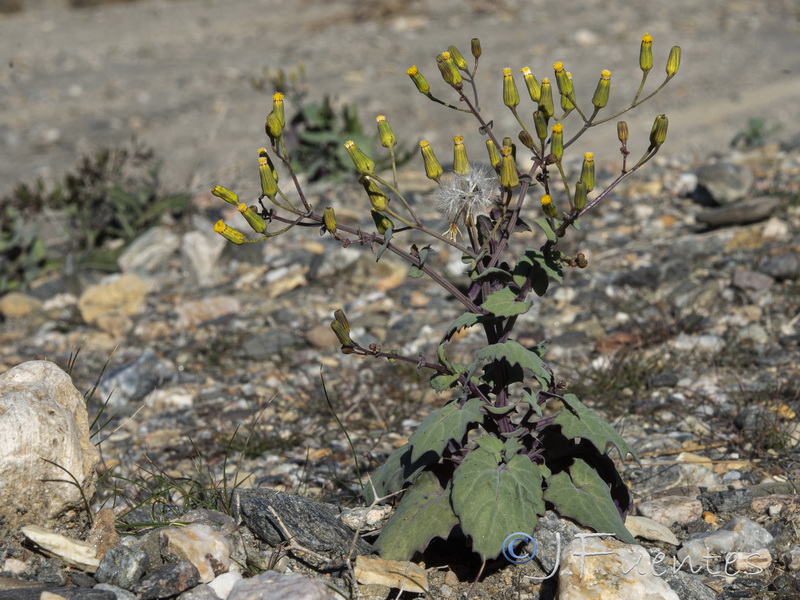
[709,543]
[68,593]
[687,586]
[122,566]
[726,501]
[751,280]
[783,266]
[748,211]
[148,252]
[118,592]
[169,580]
[274,586]
[44,434]
[132,382]
[201,592]
[754,536]
[791,558]
[313,525]
[722,183]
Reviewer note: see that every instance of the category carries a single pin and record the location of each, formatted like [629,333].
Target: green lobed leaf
[503,303]
[423,514]
[494,498]
[493,273]
[414,271]
[517,354]
[584,496]
[448,423]
[443,381]
[468,319]
[579,421]
[387,237]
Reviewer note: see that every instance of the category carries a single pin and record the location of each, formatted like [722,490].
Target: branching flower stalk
[488,460]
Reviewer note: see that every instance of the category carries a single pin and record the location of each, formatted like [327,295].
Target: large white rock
[43,418]
[594,568]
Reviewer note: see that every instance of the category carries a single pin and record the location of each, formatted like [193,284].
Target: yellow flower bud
[600,98]
[540,122]
[509,178]
[226,194]
[673,61]
[557,141]
[587,171]
[274,127]
[448,69]
[475,47]
[458,58]
[388,140]
[229,233]
[278,109]
[364,164]
[419,81]
[460,160]
[268,175]
[377,197]
[329,220]
[579,202]
[494,154]
[252,217]
[548,207]
[646,53]
[532,84]
[622,132]
[433,169]
[510,92]
[563,81]
[382,222]
[546,98]
[658,134]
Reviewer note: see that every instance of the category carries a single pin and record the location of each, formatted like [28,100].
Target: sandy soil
[176,74]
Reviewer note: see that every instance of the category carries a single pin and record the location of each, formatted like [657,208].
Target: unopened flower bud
[540,122]
[532,84]
[563,81]
[278,108]
[526,139]
[509,178]
[567,104]
[673,61]
[388,140]
[658,134]
[600,98]
[364,164]
[460,160]
[268,175]
[494,154]
[547,205]
[475,47]
[382,222]
[448,69]
[418,79]
[377,197]
[646,53]
[433,168]
[458,58]
[274,128]
[226,194]
[579,202]
[622,132]
[252,217]
[341,328]
[229,233]
[329,220]
[580,260]
[587,171]
[557,141]
[510,92]
[546,98]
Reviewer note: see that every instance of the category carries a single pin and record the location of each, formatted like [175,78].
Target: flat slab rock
[313,525]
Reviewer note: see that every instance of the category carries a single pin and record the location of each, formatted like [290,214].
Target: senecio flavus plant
[513,441]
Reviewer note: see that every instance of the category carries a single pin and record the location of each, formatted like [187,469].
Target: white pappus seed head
[461,197]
